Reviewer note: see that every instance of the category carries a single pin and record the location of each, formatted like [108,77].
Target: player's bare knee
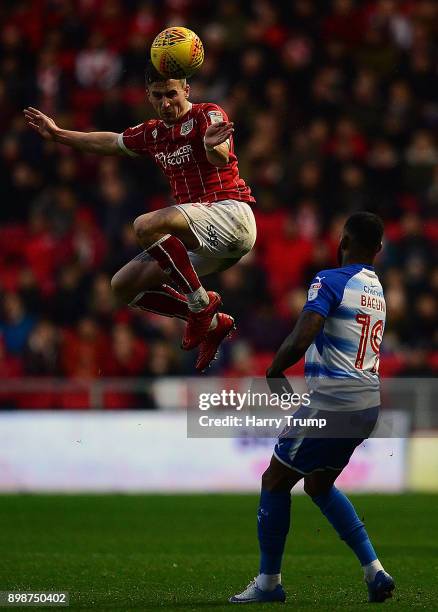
[267,480]
[273,481]
[152,226]
[117,288]
[143,227]
[120,288]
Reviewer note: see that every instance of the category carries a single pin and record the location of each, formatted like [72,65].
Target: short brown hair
[153,76]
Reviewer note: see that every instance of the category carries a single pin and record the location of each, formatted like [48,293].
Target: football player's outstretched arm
[216,142]
[307,327]
[103,143]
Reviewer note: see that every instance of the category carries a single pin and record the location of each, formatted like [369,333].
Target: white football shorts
[226,231]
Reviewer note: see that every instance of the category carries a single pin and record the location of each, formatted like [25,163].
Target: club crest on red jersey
[186,127]
[154,133]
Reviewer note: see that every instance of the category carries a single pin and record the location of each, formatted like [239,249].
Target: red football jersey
[179,150]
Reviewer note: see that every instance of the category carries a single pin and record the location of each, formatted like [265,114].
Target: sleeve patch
[215,116]
[312,294]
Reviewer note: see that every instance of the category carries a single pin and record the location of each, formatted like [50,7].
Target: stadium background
[335,110]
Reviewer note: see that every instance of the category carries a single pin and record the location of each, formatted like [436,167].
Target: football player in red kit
[210,227]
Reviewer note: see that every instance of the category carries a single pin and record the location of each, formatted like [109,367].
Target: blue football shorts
[307,453]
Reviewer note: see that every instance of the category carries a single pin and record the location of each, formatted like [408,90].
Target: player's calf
[170,252]
[273,521]
[342,515]
[140,283]
[140,274]
[123,292]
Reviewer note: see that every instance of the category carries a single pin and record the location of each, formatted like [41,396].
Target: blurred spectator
[162,360]
[290,249]
[113,114]
[344,23]
[88,243]
[83,350]
[426,329]
[353,193]
[263,318]
[30,291]
[10,366]
[127,356]
[366,105]
[102,300]
[97,66]
[15,323]
[399,113]
[421,159]
[69,301]
[241,285]
[41,355]
[51,85]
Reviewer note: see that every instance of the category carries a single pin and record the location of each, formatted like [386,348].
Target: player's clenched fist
[217,133]
[41,123]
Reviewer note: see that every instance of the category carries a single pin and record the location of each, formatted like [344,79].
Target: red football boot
[209,346]
[199,322]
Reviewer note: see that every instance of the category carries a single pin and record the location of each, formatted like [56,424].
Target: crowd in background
[335,111]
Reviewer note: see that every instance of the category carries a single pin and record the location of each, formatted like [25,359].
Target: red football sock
[164,300]
[173,259]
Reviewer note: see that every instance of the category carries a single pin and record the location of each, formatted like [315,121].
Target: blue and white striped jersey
[341,366]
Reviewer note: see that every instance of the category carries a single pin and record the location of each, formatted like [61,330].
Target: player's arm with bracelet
[296,344]
[102,143]
[217,143]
